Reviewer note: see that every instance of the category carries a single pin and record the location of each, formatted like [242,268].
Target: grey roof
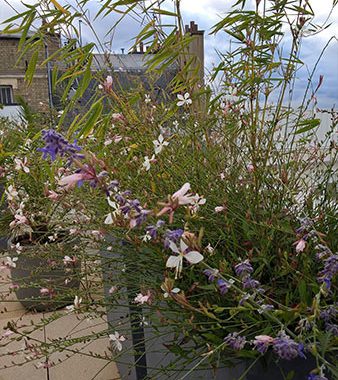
[14,36]
[121,62]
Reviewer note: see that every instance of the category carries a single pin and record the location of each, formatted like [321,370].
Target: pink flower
[117,117]
[69,260]
[181,197]
[6,334]
[51,194]
[141,299]
[18,219]
[113,289]
[264,338]
[70,181]
[300,245]
[107,84]
[47,292]
[250,168]
[219,208]
[45,364]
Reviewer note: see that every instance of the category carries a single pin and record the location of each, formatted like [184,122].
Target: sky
[208,12]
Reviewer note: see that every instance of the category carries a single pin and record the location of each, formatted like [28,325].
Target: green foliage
[251,160]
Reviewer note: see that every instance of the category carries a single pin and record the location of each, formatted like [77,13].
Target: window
[6,95]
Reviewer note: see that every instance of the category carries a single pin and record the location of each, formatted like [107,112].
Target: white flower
[182,197]
[76,304]
[193,257]
[18,248]
[196,203]
[147,162]
[112,215]
[69,260]
[109,219]
[146,237]
[159,144]
[53,237]
[209,249]
[116,340]
[108,142]
[143,321]
[183,99]
[11,262]
[219,208]
[112,290]
[176,124]
[147,99]
[166,294]
[11,193]
[117,138]
[21,165]
[232,95]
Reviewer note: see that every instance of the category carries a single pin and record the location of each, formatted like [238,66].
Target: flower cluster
[129,209]
[57,145]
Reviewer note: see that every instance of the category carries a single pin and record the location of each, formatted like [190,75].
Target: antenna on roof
[80,32]
[159,15]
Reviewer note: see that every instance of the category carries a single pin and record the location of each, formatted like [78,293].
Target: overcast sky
[206,13]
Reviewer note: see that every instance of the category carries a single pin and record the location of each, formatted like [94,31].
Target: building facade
[12,74]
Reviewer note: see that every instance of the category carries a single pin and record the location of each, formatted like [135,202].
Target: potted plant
[222,218]
[44,249]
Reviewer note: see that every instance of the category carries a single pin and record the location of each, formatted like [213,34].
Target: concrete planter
[145,355]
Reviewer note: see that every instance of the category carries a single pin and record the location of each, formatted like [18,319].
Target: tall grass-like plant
[219,209]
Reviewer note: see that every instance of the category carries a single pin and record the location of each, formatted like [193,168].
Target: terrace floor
[67,365]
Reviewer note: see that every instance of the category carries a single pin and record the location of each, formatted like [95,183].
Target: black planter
[268,368]
[33,273]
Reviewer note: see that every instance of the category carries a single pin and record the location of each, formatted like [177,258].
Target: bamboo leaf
[59,7]
[31,67]
[307,125]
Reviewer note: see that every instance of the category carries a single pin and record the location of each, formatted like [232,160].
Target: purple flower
[235,341]
[322,251]
[173,236]
[332,328]
[211,274]
[56,144]
[329,313]
[313,376]
[120,199]
[286,348]
[223,285]
[265,307]
[114,184]
[153,230]
[250,283]
[139,218]
[329,271]
[306,225]
[244,268]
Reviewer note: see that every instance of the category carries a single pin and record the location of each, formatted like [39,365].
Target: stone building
[12,74]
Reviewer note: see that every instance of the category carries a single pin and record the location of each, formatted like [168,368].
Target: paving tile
[22,370]
[81,365]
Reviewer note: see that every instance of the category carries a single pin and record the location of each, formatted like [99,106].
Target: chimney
[196,48]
